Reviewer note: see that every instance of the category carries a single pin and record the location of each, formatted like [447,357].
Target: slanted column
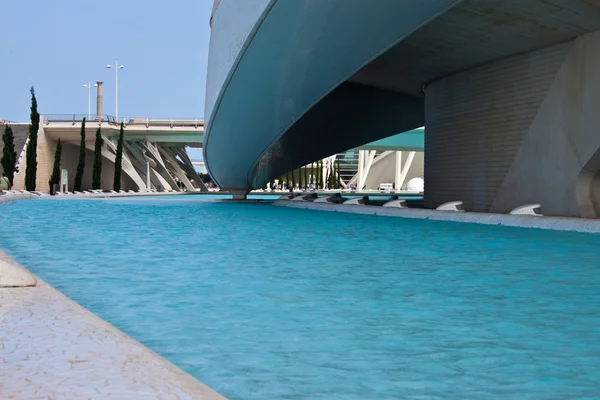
[361,158]
[398,171]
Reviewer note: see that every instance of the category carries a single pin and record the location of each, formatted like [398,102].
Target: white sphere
[415,185]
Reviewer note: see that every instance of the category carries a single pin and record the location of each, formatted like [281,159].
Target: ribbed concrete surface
[476,121]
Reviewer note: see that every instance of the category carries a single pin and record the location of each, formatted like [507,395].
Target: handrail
[127,121]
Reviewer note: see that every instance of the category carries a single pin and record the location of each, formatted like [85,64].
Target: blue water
[262,302]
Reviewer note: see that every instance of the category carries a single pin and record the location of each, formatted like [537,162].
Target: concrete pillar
[524,130]
[398,171]
[361,157]
[99,102]
[238,194]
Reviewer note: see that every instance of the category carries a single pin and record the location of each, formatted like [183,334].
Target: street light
[117,67]
[89,88]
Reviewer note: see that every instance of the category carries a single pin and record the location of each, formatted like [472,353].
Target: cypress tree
[97,170]
[293,179]
[118,160]
[81,162]
[9,156]
[312,172]
[300,177]
[287,180]
[55,177]
[281,181]
[339,173]
[31,167]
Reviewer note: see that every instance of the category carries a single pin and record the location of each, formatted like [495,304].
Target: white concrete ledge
[396,203]
[523,221]
[7,197]
[528,209]
[13,274]
[52,348]
[456,206]
[358,201]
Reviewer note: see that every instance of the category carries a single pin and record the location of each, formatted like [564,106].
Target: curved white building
[507,90]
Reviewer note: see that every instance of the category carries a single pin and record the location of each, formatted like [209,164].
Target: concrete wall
[20,134]
[45,160]
[70,158]
[519,130]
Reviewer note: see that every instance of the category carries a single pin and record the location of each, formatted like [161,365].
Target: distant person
[5,182]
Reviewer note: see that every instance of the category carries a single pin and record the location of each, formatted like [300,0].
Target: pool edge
[582,225]
[34,320]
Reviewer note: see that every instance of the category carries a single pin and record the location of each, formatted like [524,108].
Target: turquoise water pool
[263,302]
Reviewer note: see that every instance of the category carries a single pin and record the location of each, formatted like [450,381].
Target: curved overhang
[413,140]
[277,95]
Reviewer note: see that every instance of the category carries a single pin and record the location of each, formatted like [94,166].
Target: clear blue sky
[59,45]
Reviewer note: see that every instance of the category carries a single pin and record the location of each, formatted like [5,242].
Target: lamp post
[117,67]
[88,86]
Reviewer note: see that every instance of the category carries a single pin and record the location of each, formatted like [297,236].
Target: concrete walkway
[52,348]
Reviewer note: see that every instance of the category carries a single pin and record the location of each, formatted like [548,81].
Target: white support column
[126,164]
[186,165]
[330,162]
[175,167]
[162,172]
[406,167]
[147,175]
[398,170]
[324,170]
[376,160]
[367,168]
[361,156]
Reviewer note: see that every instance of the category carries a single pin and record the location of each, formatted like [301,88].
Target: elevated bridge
[154,153]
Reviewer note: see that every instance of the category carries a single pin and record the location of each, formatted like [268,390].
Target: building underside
[508,91]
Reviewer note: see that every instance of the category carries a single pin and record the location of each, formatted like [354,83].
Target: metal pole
[89,99]
[117,89]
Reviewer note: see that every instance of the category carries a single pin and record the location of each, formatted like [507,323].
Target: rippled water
[262,302]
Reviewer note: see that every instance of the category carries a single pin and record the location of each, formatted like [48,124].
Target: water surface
[263,302]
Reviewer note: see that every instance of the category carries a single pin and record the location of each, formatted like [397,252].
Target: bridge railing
[127,121]
[77,118]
